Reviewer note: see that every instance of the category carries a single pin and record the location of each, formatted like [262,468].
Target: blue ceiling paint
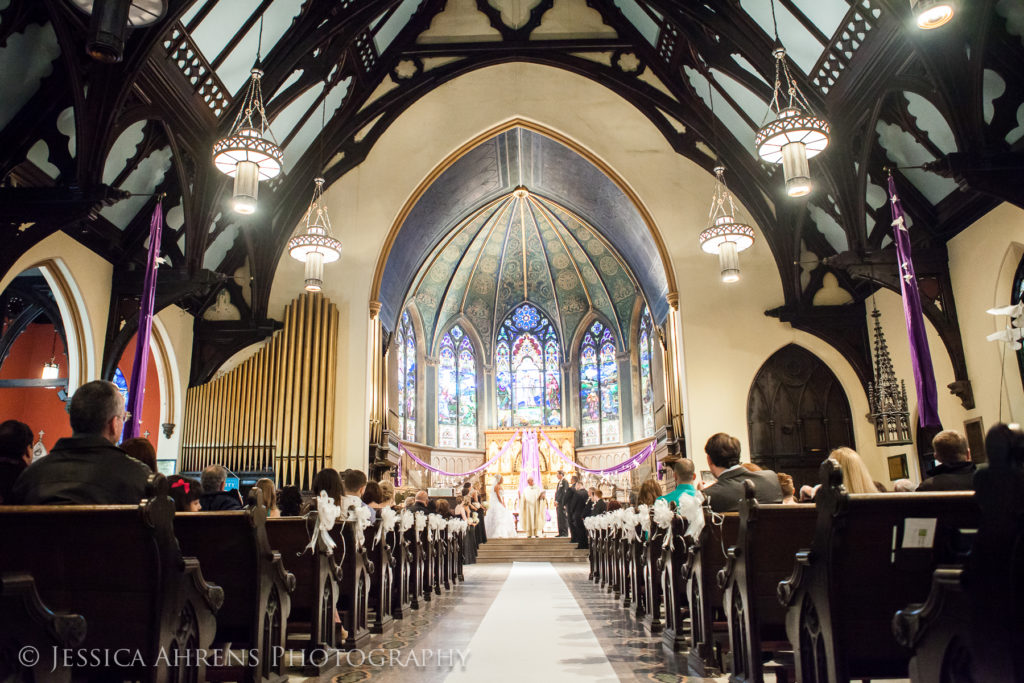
[547,167]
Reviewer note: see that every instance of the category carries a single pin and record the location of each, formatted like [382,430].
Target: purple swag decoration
[137,384]
[920,356]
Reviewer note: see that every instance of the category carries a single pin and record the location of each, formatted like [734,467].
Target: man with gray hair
[955,471]
[215,498]
[87,468]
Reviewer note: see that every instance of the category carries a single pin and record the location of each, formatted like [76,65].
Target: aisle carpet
[534,631]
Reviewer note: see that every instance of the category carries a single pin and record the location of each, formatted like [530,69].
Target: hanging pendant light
[315,246]
[248,153]
[931,14]
[796,134]
[725,236]
[51,370]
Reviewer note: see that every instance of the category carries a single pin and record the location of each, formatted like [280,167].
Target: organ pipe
[276,409]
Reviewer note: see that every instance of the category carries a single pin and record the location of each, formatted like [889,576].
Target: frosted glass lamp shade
[729,261]
[931,14]
[796,170]
[314,271]
[50,370]
[247,187]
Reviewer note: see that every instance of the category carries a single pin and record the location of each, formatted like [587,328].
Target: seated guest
[431,506]
[788,490]
[880,487]
[444,509]
[903,486]
[289,500]
[955,471]
[185,492]
[266,488]
[372,495]
[214,497]
[329,481]
[725,493]
[421,502]
[354,483]
[387,493]
[15,454]
[856,477]
[750,467]
[142,450]
[409,503]
[613,505]
[685,473]
[87,468]
[650,491]
[600,506]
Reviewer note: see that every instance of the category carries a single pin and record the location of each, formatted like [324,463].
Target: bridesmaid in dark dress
[469,546]
[476,505]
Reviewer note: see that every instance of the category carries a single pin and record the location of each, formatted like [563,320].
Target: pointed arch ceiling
[463,246]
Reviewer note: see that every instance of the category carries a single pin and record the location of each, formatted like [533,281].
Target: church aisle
[534,631]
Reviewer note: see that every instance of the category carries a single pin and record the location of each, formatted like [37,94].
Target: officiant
[532,508]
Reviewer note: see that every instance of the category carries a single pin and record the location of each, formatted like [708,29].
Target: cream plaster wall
[174,326]
[982,262]
[726,336]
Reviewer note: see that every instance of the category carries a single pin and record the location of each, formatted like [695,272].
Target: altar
[510,464]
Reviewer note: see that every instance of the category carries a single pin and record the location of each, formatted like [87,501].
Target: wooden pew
[970,625]
[426,546]
[673,584]
[402,583]
[417,566]
[439,554]
[709,633]
[120,568]
[625,570]
[25,622]
[847,586]
[592,554]
[354,590]
[652,577]
[233,549]
[636,572]
[768,538]
[381,576]
[311,620]
[457,556]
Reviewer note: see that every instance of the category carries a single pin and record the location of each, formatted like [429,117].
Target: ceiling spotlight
[931,14]
[111,20]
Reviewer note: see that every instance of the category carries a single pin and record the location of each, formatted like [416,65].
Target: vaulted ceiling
[84,144]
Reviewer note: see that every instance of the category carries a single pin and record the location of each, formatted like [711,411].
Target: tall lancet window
[456,391]
[528,371]
[599,386]
[406,344]
[646,351]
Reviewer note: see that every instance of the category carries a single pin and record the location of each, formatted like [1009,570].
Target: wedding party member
[469,544]
[532,508]
[86,468]
[562,493]
[500,523]
[477,505]
[577,511]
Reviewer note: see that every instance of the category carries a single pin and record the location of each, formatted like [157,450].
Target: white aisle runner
[533,632]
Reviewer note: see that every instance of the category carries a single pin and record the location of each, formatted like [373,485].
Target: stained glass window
[405,342]
[528,370]
[456,391]
[646,350]
[599,386]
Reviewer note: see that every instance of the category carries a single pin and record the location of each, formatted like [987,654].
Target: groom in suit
[561,496]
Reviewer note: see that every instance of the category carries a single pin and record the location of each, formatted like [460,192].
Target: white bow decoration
[388,518]
[644,513]
[327,514]
[407,520]
[421,521]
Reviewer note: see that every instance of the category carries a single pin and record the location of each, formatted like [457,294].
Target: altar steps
[549,549]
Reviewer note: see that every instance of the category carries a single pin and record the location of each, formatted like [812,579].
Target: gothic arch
[797,412]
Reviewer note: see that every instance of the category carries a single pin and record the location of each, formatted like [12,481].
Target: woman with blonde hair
[266,487]
[856,477]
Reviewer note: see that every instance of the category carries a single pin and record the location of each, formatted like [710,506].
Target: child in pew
[289,500]
[185,493]
[354,484]
[266,488]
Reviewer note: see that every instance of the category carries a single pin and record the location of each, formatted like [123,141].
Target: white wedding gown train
[499,522]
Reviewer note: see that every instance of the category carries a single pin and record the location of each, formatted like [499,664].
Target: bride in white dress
[499,522]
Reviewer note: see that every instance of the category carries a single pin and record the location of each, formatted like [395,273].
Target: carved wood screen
[797,412]
[275,410]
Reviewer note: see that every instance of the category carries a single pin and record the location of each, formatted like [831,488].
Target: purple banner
[920,356]
[624,466]
[137,384]
[531,460]
[458,474]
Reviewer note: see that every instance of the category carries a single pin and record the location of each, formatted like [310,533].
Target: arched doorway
[797,411]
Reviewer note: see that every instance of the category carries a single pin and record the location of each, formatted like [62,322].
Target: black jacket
[219,501]
[419,507]
[956,477]
[561,492]
[600,507]
[726,493]
[576,504]
[82,470]
[9,472]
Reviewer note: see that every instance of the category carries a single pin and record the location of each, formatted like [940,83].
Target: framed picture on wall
[974,430]
[898,467]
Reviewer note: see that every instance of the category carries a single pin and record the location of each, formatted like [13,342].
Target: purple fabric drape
[430,467]
[531,461]
[137,385]
[920,356]
[624,466]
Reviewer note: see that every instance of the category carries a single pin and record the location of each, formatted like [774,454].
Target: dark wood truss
[166,81]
